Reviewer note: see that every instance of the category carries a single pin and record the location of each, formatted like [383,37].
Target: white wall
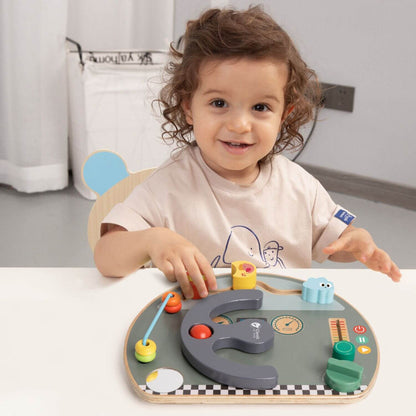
[370,45]
[121,24]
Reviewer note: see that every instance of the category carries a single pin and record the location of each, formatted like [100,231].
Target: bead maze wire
[156,318]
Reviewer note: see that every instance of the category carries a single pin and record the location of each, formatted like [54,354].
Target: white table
[63,330]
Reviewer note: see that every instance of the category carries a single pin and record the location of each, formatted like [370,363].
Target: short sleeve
[125,217]
[138,212]
[329,221]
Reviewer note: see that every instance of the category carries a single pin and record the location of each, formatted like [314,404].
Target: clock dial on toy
[287,324]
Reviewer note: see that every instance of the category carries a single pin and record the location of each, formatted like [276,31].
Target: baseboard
[364,187]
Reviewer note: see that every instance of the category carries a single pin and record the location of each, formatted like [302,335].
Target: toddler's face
[236,113]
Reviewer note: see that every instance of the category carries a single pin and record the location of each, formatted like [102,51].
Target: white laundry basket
[110,107]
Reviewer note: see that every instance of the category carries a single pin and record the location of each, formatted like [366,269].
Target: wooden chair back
[115,194]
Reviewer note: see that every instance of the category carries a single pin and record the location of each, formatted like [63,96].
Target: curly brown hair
[225,34]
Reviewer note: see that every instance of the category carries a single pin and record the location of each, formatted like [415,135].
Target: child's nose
[239,122]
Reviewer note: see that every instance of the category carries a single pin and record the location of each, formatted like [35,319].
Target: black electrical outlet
[338,97]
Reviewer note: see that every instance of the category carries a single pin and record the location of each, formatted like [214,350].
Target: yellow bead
[244,275]
[144,350]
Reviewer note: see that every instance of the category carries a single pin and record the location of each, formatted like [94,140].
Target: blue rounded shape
[318,290]
[103,170]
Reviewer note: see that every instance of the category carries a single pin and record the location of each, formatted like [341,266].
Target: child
[235,99]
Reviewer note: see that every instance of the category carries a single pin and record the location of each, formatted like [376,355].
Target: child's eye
[218,103]
[261,107]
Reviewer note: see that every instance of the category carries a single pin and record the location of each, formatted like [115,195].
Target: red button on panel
[360,329]
[200,331]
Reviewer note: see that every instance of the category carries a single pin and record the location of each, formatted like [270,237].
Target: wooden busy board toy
[265,338]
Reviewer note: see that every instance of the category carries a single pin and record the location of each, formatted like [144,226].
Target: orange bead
[173,309]
[174,300]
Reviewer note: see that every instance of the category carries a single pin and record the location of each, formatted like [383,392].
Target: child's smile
[236,147]
[236,113]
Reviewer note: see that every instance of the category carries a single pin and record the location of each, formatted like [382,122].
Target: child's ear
[186,107]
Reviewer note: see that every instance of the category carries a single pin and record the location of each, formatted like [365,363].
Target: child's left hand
[357,244]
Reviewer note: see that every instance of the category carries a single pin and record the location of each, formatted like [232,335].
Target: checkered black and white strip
[279,390]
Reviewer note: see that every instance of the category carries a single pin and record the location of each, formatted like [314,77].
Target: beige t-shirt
[283,219]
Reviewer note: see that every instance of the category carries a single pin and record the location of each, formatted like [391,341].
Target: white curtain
[121,24]
[33,104]
[33,83]
[110,102]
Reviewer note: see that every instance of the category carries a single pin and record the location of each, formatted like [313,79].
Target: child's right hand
[177,257]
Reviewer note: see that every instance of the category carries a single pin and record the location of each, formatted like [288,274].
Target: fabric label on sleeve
[344,216]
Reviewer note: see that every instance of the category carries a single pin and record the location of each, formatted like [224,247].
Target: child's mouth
[240,145]
[236,148]
[236,145]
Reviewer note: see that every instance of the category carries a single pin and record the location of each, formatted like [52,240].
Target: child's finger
[381,261]
[207,271]
[182,277]
[395,273]
[167,269]
[388,267]
[195,274]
